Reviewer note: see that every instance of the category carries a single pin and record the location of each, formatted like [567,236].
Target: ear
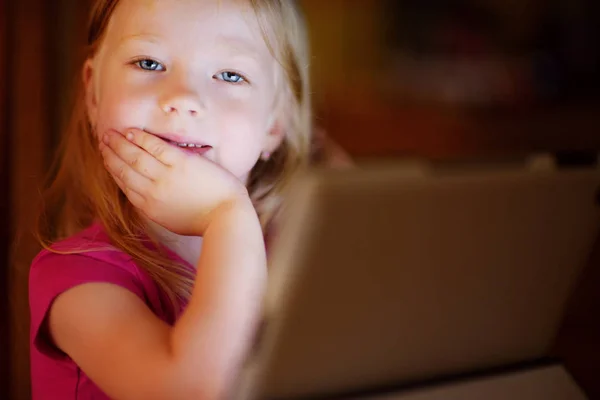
[90,91]
[275,135]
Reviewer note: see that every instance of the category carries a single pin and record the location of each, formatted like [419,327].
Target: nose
[182,103]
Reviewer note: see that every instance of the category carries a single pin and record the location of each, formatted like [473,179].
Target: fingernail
[129,135]
[105,139]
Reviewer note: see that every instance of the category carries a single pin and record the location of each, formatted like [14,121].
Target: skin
[153,73]
[109,332]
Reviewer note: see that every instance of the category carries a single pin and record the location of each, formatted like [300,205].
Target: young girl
[194,115]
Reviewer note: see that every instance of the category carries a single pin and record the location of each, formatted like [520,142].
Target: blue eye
[149,64]
[230,77]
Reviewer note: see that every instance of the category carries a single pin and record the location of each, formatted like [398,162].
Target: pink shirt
[53,374]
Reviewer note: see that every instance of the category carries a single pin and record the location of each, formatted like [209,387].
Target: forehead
[187,23]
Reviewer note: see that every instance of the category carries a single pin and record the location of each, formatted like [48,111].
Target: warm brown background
[39,56]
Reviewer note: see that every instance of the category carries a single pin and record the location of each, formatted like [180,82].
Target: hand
[180,191]
[327,152]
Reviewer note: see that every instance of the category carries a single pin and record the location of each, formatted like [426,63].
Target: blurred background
[441,79]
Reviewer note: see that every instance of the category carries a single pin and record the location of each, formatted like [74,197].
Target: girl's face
[191,71]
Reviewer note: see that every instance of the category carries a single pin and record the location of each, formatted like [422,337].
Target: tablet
[386,275]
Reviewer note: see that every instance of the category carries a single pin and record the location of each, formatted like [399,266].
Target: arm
[131,354]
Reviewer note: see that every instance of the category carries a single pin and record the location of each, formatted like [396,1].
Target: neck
[186,247]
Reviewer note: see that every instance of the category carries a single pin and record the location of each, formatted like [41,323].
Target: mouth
[183,143]
[193,148]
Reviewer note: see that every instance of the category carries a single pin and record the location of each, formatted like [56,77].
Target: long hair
[81,191]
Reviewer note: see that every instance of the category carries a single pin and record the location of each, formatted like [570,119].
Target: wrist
[239,208]
[236,225]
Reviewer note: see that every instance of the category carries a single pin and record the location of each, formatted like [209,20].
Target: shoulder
[87,257]
[83,258]
[92,243]
[90,247]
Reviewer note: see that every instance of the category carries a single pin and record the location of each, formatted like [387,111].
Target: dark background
[439,79]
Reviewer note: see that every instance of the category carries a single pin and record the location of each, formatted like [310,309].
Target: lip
[175,139]
[194,150]
[199,148]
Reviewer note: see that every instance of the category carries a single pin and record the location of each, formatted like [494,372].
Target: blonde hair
[81,190]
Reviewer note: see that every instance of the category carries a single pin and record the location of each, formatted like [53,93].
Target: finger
[157,147]
[134,198]
[128,178]
[136,157]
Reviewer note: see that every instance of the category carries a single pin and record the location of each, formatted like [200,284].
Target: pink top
[53,374]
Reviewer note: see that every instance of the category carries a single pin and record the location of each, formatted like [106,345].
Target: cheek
[242,134]
[121,107]
[240,102]
[241,144]
[248,110]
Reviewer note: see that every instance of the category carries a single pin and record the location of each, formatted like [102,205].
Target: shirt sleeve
[52,274]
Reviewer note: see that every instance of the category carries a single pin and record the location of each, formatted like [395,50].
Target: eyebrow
[236,43]
[146,37]
[237,46]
